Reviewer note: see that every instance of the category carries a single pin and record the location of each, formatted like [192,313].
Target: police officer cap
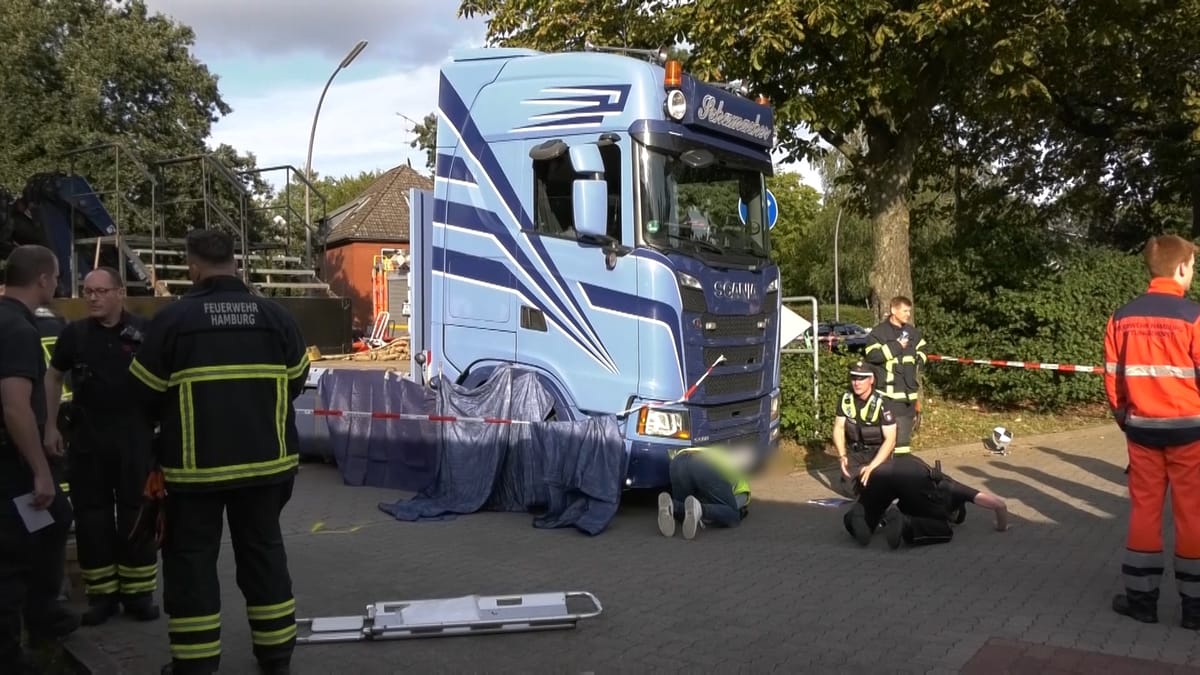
[860,368]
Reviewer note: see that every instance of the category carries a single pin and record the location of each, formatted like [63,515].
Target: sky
[273,57]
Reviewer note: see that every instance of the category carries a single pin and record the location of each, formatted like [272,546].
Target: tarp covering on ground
[572,473]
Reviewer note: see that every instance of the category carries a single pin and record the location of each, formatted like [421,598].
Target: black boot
[856,524]
[100,609]
[894,526]
[1137,605]
[1191,612]
[275,667]
[141,607]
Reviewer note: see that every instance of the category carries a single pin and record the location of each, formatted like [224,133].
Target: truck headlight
[664,423]
[688,281]
[774,408]
[774,285]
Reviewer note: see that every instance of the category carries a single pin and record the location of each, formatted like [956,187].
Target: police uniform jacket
[865,420]
[898,379]
[219,369]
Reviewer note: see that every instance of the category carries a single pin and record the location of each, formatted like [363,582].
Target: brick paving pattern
[787,591]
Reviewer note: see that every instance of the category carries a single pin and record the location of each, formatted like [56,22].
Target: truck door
[593,351]
[478,308]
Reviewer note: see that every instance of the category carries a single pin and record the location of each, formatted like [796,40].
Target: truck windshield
[694,202]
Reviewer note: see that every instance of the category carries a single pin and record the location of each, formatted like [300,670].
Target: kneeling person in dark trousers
[864,434]
[931,501]
[110,451]
[31,563]
[707,488]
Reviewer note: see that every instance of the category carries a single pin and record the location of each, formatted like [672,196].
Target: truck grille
[735,356]
[734,326]
[727,385]
[733,411]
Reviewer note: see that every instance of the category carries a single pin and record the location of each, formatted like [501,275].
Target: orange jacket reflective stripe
[1151,352]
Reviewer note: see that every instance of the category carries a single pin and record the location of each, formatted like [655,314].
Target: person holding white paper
[31,563]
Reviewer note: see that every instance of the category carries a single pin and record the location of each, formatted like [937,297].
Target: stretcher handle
[591,598]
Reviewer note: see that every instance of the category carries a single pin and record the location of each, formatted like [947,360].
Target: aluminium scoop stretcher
[466,615]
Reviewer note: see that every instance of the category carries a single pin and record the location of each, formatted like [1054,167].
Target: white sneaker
[691,517]
[666,515]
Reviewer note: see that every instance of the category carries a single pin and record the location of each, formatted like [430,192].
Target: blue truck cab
[602,220]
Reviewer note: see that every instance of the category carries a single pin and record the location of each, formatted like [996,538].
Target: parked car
[838,336]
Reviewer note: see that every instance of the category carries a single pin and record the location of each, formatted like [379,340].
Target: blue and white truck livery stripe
[602,220]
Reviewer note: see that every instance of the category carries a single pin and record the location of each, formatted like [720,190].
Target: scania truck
[603,220]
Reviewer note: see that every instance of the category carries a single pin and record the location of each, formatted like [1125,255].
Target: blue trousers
[692,476]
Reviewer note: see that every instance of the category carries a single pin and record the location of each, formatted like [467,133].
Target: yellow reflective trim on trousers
[101,589]
[203,650]
[232,472]
[908,359]
[246,371]
[281,399]
[139,586]
[270,638]
[94,573]
[187,427]
[138,572]
[148,378]
[193,624]
[268,612]
[297,369]
[902,450]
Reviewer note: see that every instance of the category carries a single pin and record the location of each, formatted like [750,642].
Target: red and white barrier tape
[1027,365]
[406,416]
[686,395]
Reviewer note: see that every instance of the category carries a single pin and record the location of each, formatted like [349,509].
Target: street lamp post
[837,304]
[353,54]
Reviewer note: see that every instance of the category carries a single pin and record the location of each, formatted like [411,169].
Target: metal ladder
[442,617]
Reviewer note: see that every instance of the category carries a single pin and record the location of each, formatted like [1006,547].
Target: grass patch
[946,423]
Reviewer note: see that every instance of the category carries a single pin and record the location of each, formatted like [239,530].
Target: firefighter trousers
[1152,471]
[107,474]
[31,574]
[191,593]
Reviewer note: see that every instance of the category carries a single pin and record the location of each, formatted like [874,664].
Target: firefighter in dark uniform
[109,450]
[31,563]
[864,434]
[221,367]
[897,350]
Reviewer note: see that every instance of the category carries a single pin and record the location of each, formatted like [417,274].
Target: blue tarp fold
[572,473]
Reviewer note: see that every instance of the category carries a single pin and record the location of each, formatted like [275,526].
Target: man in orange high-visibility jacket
[1151,354]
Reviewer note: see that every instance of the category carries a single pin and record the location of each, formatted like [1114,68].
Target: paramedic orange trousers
[1151,470]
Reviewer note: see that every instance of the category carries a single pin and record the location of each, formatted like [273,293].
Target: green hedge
[1057,317]
[796,405]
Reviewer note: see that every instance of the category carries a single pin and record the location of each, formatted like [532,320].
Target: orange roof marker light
[763,100]
[674,74]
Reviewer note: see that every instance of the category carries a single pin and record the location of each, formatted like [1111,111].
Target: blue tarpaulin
[571,472]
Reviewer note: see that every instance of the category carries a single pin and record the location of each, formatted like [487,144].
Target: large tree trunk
[891,272]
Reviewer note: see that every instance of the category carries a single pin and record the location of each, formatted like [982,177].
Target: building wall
[347,270]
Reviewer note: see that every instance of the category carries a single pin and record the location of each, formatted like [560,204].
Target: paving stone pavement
[787,591]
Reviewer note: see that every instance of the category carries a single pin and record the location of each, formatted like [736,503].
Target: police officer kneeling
[865,438]
[707,488]
[220,369]
[110,450]
[864,433]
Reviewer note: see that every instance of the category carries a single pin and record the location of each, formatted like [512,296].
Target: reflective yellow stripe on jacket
[184,380]
[48,351]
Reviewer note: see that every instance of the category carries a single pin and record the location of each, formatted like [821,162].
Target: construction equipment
[443,617]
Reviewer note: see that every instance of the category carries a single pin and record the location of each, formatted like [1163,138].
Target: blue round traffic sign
[772,210]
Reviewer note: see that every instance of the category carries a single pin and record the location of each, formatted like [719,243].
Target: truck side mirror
[586,159]
[590,197]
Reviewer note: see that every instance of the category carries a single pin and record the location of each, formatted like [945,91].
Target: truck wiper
[701,243]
